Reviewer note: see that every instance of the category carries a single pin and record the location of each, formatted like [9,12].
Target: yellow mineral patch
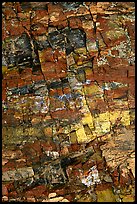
[128,198]
[85,103]
[82,51]
[125,118]
[41,56]
[92,89]
[87,119]
[18,131]
[105,196]
[98,129]
[4,69]
[105,127]
[88,71]
[32,131]
[81,136]
[101,124]
[114,115]
[79,63]
[104,116]
[73,137]
[90,137]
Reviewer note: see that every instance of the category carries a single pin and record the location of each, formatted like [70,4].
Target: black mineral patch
[76,38]
[71,5]
[56,39]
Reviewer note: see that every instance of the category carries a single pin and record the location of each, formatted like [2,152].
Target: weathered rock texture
[68,101]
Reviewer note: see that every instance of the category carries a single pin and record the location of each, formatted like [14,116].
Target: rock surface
[68,101]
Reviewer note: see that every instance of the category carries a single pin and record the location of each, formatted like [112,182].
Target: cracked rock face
[68,101]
